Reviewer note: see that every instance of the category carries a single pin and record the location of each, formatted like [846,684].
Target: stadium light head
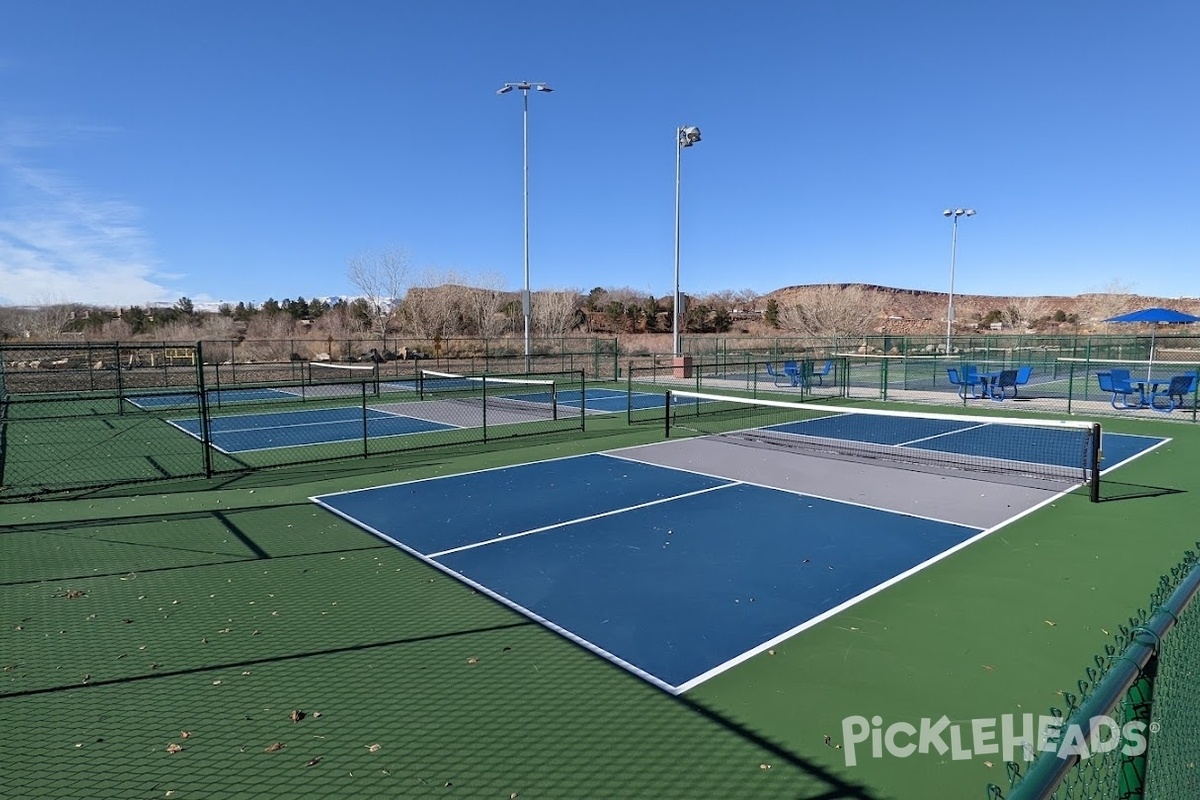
[541,87]
[947,213]
[688,136]
[505,89]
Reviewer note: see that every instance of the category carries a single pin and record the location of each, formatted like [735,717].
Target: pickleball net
[536,398]
[338,378]
[1031,452]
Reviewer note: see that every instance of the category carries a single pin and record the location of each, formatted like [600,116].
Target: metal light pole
[953,214]
[524,87]
[685,136]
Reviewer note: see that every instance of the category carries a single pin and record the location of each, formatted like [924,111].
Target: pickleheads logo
[998,737]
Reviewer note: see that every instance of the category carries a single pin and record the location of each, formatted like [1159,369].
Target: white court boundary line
[589,518]
[386,415]
[874,590]
[499,598]
[746,655]
[612,657]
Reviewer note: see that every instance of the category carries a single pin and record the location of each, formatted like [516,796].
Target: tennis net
[535,397]
[1031,452]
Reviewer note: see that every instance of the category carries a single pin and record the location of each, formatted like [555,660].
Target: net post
[554,401]
[364,418]
[1095,459]
[629,395]
[420,384]
[483,384]
[582,400]
[667,415]
[205,417]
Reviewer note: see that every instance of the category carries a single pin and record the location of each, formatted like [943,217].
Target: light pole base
[682,366]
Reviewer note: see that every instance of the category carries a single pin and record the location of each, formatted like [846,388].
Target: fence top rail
[1138,362]
[1049,771]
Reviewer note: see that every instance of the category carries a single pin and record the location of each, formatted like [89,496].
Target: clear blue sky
[241,150]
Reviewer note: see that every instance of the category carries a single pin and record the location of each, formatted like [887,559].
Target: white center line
[580,519]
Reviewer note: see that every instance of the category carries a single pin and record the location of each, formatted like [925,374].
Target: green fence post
[366,451]
[120,383]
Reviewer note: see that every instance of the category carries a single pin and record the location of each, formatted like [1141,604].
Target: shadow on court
[287,653]
[1116,490]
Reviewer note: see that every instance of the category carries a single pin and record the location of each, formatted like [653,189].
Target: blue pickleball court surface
[682,559]
[669,573]
[242,433]
[186,400]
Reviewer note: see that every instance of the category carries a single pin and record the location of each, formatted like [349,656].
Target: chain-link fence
[792,378]
[152,415]
[1129,729]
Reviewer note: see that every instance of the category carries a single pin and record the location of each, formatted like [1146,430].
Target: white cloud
[63,241]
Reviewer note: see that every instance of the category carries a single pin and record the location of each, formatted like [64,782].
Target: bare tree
[381,277]
[555,311]
[1024,311]
[46,320]
[834,310]
[434,305]
[1113,298]
[483,302]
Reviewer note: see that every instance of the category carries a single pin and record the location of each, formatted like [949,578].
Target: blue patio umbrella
[1154,316]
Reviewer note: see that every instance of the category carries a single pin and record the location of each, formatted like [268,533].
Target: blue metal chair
[964,384]
[792,370]
[1178,387]
[1121,390]
[819,374]
[1189,389]
[1023,374]
[1006,380]
[777,376]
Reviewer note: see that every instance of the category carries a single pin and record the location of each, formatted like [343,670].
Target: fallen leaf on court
[1048,622]
[312,762]
[216,683]
[770,652]
[988,764]
[75,594]
[316,715]
[828,740]
[185,734]
[472,660]
[512,796]
[764,766]
[274,747]
[296,715]
[374,748]
[174,748]
[989,668]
